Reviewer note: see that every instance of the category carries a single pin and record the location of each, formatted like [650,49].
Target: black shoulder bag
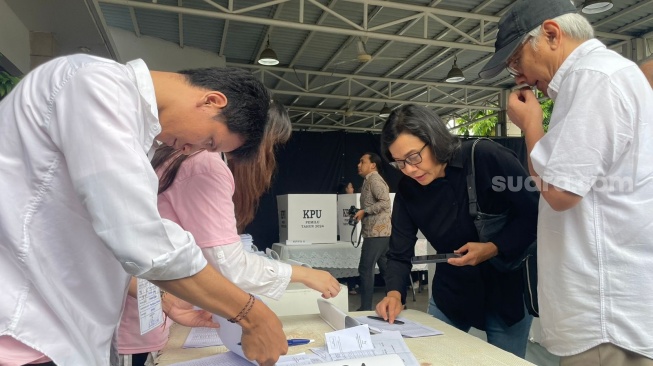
[488,225]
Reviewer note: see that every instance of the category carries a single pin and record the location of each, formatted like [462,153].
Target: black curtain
[319,162]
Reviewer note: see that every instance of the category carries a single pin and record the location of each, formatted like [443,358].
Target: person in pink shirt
[198,192]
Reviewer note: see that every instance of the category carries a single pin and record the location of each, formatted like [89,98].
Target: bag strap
[474,208]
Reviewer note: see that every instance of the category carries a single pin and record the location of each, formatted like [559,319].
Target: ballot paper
[409,329]
[200,337]
[222,359]
[384,360]
[349,340]
[386,343]
[231,333]
[232,359]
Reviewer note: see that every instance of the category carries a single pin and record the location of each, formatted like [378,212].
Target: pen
[296,341]
[299,342]
[399,322]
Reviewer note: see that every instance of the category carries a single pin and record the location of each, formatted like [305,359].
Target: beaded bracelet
[243,313]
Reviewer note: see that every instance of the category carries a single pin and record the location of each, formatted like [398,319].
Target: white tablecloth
[340,258]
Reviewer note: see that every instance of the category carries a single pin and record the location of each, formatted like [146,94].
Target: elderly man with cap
[595,174]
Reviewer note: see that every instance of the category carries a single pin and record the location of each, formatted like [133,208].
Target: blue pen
[296,341]
[299,341]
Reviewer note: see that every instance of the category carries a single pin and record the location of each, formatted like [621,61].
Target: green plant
[484,128]
[7,82]
[547,109]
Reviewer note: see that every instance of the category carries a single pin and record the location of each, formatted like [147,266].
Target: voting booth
[307,218]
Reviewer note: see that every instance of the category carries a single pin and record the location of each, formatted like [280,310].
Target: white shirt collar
[582,50]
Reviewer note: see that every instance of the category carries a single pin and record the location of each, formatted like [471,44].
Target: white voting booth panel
[307,218]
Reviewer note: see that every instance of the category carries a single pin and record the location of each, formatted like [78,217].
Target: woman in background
[199,192]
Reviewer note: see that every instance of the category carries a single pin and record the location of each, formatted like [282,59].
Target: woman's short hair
[424,124]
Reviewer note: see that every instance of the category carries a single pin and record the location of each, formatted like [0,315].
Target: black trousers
[373,252]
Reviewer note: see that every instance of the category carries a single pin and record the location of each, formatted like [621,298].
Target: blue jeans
[512,339]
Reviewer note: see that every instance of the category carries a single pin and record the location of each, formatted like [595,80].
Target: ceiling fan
[363,56]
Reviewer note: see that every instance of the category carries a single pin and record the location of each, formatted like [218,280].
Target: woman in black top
[432,197]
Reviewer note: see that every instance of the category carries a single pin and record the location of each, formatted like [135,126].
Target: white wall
[161,55]
[14,39]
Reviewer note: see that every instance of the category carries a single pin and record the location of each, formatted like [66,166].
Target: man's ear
[215,99]
[552,32]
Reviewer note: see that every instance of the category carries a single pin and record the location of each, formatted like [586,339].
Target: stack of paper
[202,337]
[232,359]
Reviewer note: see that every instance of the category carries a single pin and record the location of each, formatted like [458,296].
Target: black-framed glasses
[412,159]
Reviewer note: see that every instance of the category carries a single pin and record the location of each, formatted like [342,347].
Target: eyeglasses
[412,159]
[513,65]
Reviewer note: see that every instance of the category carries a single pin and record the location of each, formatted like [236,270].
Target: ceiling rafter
[365,77]
[442,35]
[132,15]
[466,34]
[344,45]
[235,15]
[366,19]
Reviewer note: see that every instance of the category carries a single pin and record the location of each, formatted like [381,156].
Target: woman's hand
[390,306]
[318,280]
[474,253]
[183,312]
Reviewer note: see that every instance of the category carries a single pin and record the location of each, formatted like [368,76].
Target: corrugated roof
[321,43]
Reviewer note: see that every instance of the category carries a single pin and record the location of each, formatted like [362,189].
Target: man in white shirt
[593,168]
[79,213]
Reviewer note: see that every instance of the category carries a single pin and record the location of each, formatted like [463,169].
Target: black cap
[523,17]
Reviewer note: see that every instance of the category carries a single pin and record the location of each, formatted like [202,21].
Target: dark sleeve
[502,184]
[402,248]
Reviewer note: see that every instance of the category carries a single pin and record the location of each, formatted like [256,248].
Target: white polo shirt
[595,260]
[78,211]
